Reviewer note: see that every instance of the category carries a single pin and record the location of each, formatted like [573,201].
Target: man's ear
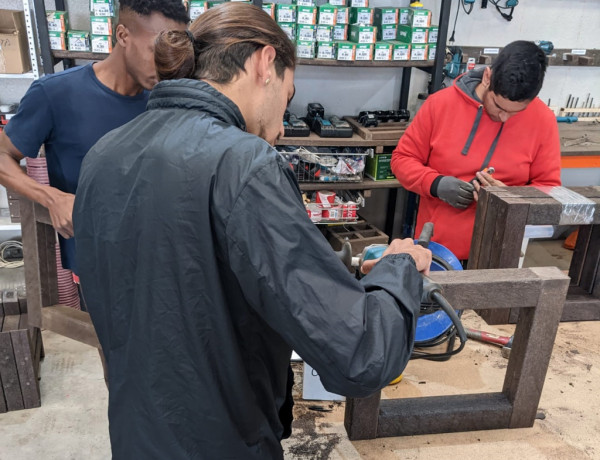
[266,57]
[487,77]
[122,35]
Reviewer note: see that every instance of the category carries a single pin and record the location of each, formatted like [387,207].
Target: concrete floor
[72,422]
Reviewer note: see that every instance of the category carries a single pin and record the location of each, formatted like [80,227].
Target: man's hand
[420,255]
[455,192]
[485,180]
[61,212]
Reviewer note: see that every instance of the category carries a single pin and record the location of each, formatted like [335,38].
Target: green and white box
[383,51]
[285,13]
[305,2]
[340,32]
[346,51]
[58,40]
[362,34]
[58,21]
[197,8]
[433,34]
[343,15]
[431,52]
[328,14]
[305,49]
[306,32]
[412,35]
[400,51]
[326,50]
[364,52]
[419,17]
[338,2]
[78,40]
[269,8]
[289,28]
[212,4]
[101,43]
[387,32]
[379,167]
[362,16]
[418,52]
[359,3]
[386,16]
[324,33]
[101,25]
[403,16]
[102,7]
[307,15]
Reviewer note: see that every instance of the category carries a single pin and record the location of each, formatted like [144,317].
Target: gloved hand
[455,192]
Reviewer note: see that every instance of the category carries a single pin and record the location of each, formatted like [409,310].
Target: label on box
[327,15]
[325,50]
[57,21]
[307,15]
[491,50]
[269,8]
[57,40]
[338,2]
[286,13]
[388,32]
[324,33]
[383,52]
[305,49]
[306,32]
[433,34]
[101,25]
[343,15]
[418,53]
[419,18]
[102,8]
[359,3]
[403,16]
[362,16]
[364,52]
[419,35]
[101,44]
[197,8]
[340,32]
[345,51]
[431,52]
[289,29]
[401,52]
[78,40]
[387,15]
[305,2]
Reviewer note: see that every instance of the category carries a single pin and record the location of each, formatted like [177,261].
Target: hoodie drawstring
[467,146]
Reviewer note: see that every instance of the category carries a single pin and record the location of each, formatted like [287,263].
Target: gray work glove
[455,192]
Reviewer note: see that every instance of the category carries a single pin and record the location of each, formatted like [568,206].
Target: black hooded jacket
[201,270]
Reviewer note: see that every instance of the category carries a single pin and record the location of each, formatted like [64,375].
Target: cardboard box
[340,32]
[379,167]
[197,8]
[418,52]
[362,34]
[324,33]
[285,13]
[58,40]
[359,3]
[343,15]
[14,52]
[306,32]
[362,16]
[306,14]
[383,51]
[387,32]
[386,16]
[58,21]
[338,3]
[431,52]
[101,43]
[327,14]
[407,34]
[326,50]
[269,8]
[403,16]
[78,40]
[400,51]
[433,34]
[304,2]
[305,49]
[101,25]
[289,28]
[102,7]
[212,4]
[419,17]
[346,51]
[364,52]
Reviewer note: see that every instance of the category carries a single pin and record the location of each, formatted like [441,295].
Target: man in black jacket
[202,269]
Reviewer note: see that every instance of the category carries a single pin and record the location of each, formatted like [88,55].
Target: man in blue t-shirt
[69,111]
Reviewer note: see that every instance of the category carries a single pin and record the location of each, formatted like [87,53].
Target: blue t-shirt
[68,112]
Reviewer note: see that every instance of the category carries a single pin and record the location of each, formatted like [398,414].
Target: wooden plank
[544,211]
[355,141]
[510,230]
[23,322]
[361,417]
[477,239]
[30,255]
[28,382]
[10,302]
[532,347]
[11,323]
[8,374]
[443,414]
[487,238]
[365,184]
[589,269]
[578,258]
[75,324]
[383,131]
[22,297]
[581,309]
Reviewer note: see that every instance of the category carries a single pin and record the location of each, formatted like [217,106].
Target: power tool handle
[426,234]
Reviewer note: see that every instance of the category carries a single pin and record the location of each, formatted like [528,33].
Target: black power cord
[466,10]
[500,9]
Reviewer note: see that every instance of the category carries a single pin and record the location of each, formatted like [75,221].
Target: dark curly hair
[171,9]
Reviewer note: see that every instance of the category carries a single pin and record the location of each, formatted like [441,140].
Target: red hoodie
[437,143]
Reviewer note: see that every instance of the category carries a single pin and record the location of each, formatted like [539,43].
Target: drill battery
[294,126]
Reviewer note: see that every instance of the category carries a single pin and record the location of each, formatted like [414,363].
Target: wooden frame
[540,294]
[503,213]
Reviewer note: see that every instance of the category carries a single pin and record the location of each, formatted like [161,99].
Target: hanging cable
[5,247]
[509,5]
[467,11]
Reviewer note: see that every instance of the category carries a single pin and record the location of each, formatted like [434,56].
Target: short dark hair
[223,39]
[170,9]
[518,71]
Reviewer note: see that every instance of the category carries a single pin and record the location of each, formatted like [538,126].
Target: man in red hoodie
[488,118]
